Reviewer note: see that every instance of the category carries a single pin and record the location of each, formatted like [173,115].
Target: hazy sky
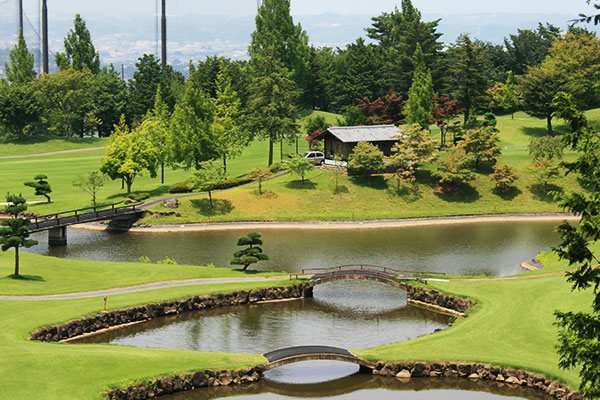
[371,7]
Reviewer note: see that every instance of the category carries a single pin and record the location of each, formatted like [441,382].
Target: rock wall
[478,372]
[439,299]
[185,382]
[142,313]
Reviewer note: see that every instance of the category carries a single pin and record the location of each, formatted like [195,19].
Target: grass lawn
[42,144]
[512,325]
[49,275]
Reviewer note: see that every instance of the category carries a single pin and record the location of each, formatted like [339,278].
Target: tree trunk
[162,173]
[467,116]
[17,260]
[270,151]
[550,128]
[129,183]
[48,199]
[122,183]
[225,163]
[260,186]
[245,267]
[210,200]
[281,150]
[297,146]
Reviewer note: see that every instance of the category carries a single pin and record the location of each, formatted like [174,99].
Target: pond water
[351,314]
[462,249]
[332,380]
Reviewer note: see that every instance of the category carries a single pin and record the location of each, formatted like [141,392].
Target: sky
[303,7]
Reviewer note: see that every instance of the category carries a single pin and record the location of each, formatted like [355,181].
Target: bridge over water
[121,219]
[298,354]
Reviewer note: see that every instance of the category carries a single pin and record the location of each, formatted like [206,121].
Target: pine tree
[79,51]
[20,69]
[420,104]
[14,231]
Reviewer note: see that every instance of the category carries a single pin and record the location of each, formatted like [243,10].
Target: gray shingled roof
[374,133]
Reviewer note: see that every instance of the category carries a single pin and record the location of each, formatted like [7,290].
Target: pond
[352,314]
[495,249]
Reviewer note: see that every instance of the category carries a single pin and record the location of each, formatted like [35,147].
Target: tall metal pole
[21,18]
[45,63]
[163,34]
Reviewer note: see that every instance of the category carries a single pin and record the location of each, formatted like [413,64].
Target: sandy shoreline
[342,225]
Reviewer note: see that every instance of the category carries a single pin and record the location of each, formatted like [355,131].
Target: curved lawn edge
[343,225]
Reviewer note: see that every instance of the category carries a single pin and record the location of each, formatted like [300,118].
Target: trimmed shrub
[180,187]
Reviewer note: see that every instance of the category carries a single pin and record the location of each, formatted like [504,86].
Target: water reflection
[350,386]
[485,248]
[354,314]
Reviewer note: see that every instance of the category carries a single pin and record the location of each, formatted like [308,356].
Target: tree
[482,145]
[547,148]
[41,186]
[444,111]
[80,52]
[545,171]
[338,171]
[415,147]
[272,102]
[252,254]
[277,37]
[108,99]
[419,106]
[528,48]
[509,100]
[503,178]
[226,125]
[20,70]
[300,166]
[467,81]
[453,168]
[129,153]
[388,109]
[578,331]
[366,159]
[538,88]
[91,183]
[156,128]
[208,177]
[14,232]
[20,110]
[315,126]
[259,175]
[591,18]
[192,136]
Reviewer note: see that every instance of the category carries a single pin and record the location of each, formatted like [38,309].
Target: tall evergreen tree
[20,69]
[528,48]
[14,231]
[284,41]
[467,81]
[109,99]
[79,51]
[419,106]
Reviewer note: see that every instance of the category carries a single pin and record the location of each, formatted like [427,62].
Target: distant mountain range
[122,39]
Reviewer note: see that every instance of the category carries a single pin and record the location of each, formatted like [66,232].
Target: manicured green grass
[43,144]
[49,275]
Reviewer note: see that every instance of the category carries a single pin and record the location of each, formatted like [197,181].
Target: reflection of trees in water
[440,389]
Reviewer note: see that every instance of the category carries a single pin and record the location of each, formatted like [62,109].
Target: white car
[317,157]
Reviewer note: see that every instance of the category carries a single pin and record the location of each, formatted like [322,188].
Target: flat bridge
[298,354]
[121,219]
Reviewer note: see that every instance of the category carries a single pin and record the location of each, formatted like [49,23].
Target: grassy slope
[49,275]
[40,145]
[62,170]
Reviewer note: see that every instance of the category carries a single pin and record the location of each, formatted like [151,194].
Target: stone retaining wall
[436,298]
[185,382]
[476,371]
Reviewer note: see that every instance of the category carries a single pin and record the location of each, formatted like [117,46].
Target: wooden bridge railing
[367,268]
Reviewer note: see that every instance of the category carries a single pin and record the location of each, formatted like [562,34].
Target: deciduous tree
[503,178]
[91,183]
[366,159]
[208,177]
[259,175]
[482,145]
[20,110]
[415,148]
[453,168]
[300,166]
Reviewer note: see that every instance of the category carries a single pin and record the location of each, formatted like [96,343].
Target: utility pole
[21,18]
[163,34]
[45,64]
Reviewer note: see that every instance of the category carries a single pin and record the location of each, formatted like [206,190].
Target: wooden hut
[341,140]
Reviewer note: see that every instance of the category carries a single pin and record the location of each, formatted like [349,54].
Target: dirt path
[136,289]
[52,153]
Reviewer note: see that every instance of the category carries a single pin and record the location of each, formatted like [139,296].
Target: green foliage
[209,176]
[545,171]
[415,147]
[420,105]
[300,166]
[14,232]
[547,148]
[80,52]
[20,70]
[252,254]
[128,154]
[453,168]
[578,336]
[41,186]
[482,145]
[108,100]
[354,116]
[20,110]
[144,260]
[528,48]
[366,159]
[167,261]
[503,178]
[155,127]
[509,100]
[91,183]
[259,175]
[180,187]
[317,123]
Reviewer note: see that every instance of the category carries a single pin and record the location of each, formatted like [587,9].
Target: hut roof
[372,133]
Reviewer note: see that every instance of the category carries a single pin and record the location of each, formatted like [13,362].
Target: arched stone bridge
[298,354]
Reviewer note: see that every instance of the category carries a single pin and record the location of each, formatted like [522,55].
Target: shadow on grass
[219,206]
[373,182]
[559,129]
[44,139]
[341,189]
[460,193]
[307,184]
[507,194]
[547,193]
[408,193]
[28,278]
[142,194]
[266,194]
